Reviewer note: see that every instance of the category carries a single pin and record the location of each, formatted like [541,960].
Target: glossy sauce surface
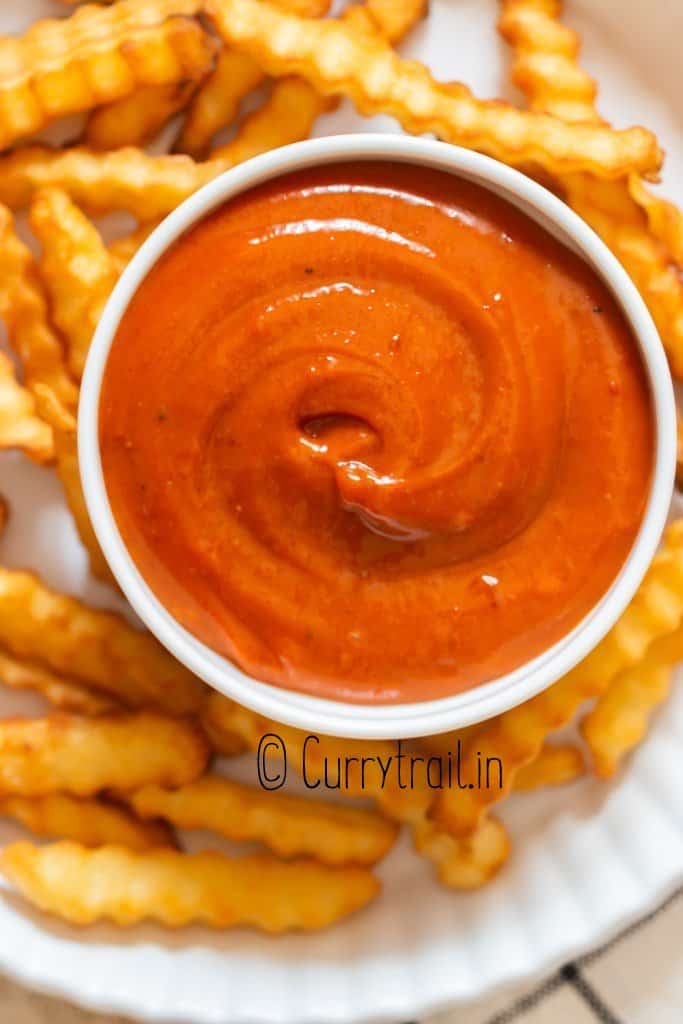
[374,435]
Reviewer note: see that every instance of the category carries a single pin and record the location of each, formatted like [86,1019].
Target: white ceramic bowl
[407,719]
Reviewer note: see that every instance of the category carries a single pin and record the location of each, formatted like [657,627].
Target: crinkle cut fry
[290,826]
[97,55]
[147,186]
[462,863]
[620,718]
[62,693]
[64,429]
[664,218]
[555,765]
[644,232]
[63,753]
[622,225]
[236,74]
[465,863]
[217,101]
[20,425]
[338,60]
[288,115]
[516,736]
[96,647]
[89,821]
[24,310]
[114,884]
[545,66]
[137,119]
[128,179]
[78,271]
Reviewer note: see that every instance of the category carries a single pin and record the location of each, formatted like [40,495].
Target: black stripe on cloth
[573,976]
[528,1001]
[642,922]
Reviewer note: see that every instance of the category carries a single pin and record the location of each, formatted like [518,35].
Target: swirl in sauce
[374,435]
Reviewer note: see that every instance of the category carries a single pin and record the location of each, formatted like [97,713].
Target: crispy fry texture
[516,737]
[91,822]
[556,765]
[664,218]
[99,648]
[81,756]
[77,268]
[217,101]
[64,430]
[63,694]
[466,863]
[395,18]
[623,226]
[644,232]
[103,54]
[290,826]
[20,425]
[24,310]
[621,717]
[83,886]
[545,66]
[336,60]
[288,115]
[128,179]
[137,119]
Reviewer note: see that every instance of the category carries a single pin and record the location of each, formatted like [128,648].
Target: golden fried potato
[147,186]
[64,429]
[545,65]
[217,101]
[91,822]
[644,232]
[337,60]
[221,716]
[289,825]
[20,425]
[63,694]
[77,268]
[395,18]
[679,450]
[128,179]
[664,218]
[138,118]
[96,647]
[555,765]
[517,736]
[24,310]
[620,718]
[288,115]
[96,56]
[466,863]
[114,884]
[82,756]
[623,226]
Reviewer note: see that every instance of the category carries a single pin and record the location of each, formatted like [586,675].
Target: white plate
[587,859]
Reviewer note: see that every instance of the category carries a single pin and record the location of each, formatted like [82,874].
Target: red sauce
[373,434]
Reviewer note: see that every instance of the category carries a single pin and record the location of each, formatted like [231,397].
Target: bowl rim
[410,719]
